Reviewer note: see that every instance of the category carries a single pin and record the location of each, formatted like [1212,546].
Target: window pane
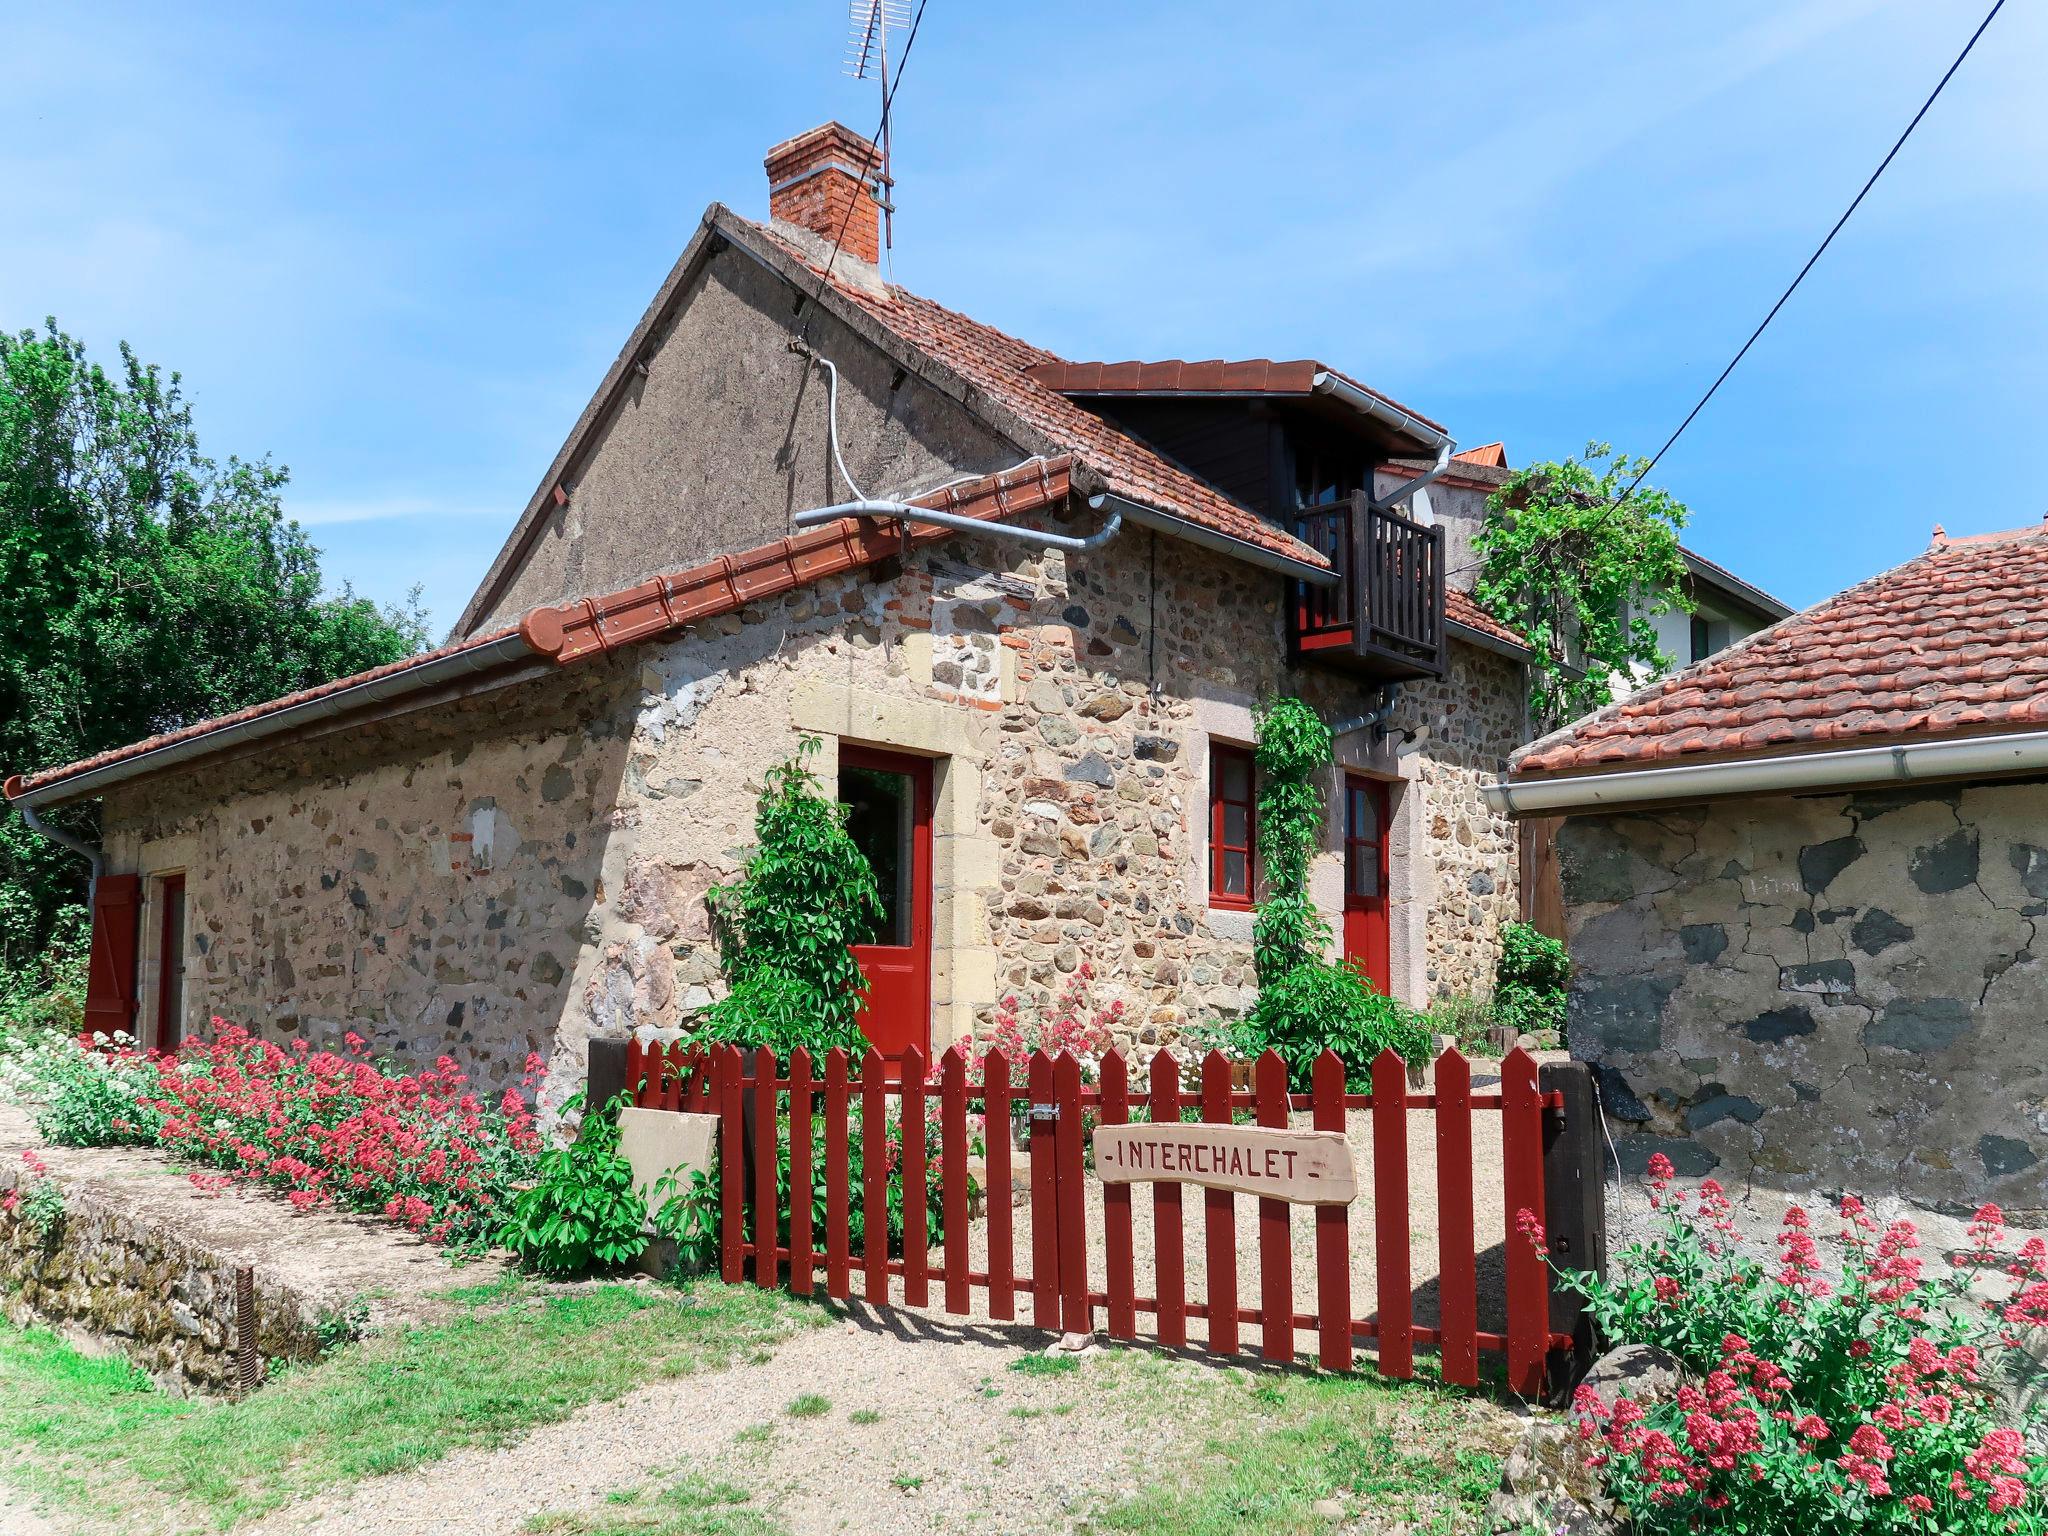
[1363,816]
[880,811]
[1365,870]
[1234,883]
[1236,826]
[1234,776]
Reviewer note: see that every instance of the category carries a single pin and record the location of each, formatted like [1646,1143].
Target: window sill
[1230,903]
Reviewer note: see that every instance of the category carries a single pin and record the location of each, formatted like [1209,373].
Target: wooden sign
[1306,1167]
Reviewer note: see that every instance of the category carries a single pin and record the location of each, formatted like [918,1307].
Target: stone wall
[109,1277]
[527,868]
[1829,992]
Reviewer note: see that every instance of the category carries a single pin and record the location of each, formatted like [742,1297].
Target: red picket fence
[1056,1278]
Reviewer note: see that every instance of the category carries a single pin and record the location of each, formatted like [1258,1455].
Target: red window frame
[1221,753]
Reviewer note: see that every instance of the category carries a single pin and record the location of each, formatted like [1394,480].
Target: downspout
[76,844]
[1401,421]
[1375,719]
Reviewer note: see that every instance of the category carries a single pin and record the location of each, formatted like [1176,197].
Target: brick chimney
[814,180]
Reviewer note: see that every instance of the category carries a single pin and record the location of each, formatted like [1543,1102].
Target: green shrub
[1318,1006]
[1468,1019]
[582,1213]
[82,1098]
[1529,993]
[785,927]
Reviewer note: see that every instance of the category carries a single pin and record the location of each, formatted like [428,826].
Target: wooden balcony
[1384,619]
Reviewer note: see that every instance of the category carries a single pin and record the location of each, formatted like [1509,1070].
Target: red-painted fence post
[636,1073]
[995,1131]
[1457,1267]
[1045,1235]
[1521,1156]
[953,1173]
[1219,1217]
[874,1178]
[1390,1214]
[838,1262]
[800,1181]
[916,1187]
[1169,1240]
[766,1269]
[1116,1208]
[1333,1228]
[1276,1253]
[1076,1314]
[732,1168]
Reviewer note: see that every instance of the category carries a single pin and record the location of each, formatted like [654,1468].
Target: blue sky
[396,247]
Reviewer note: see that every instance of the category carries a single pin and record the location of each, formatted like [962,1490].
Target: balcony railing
[1384,618]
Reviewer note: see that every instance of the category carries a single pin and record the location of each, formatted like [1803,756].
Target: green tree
[1584,568]
[147,586]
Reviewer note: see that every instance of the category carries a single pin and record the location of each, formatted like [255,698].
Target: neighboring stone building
[1805,884]
[504,845]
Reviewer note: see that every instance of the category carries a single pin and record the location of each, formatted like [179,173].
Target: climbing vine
[1308,1003]
[1584,571]
[784,927]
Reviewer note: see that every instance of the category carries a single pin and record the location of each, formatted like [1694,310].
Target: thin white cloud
[327,512]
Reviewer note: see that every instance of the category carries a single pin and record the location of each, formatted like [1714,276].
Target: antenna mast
[867,58]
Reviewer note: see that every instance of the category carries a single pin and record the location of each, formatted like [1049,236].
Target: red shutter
[110,987]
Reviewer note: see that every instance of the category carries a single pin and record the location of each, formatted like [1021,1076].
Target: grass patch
[1411,1455]
[96,1437]
[692,1507]
[809,1406]
[1044,1365]
[864,1416]
[906,1482]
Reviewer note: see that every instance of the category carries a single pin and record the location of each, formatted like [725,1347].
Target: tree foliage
[784,928]
[147,585]
[1584,571]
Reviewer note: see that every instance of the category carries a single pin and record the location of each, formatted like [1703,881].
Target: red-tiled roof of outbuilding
[1951,643]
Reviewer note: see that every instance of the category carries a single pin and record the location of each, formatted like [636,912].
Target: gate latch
[1045,1112]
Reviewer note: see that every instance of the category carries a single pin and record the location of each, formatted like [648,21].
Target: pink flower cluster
[421,1149]
[1865,1402]
[1075,1023]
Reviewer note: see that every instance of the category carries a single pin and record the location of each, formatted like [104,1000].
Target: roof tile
[1951,642]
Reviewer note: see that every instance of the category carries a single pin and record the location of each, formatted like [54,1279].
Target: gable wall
[726,438]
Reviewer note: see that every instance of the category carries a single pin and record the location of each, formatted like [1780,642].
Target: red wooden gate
[763,1231]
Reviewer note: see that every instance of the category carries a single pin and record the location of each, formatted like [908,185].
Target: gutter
[1401,421]
[1970,757]
[1479,637]
[450,668]
[1208,538]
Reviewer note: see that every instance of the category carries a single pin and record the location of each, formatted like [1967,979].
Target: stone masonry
[527,868]
[1834,992]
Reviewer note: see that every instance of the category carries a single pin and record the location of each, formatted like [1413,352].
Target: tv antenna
[867,58]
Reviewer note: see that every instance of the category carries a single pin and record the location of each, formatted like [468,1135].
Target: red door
[170,965]
[889,813]
[1365,880]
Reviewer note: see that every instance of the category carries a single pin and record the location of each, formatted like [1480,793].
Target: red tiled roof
[998,364]
[1952,642]
[1492,455]
[1464,609]
[19,784]
[594,625]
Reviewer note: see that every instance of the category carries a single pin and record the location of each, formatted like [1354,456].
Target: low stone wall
[1822,992]
[111,1279]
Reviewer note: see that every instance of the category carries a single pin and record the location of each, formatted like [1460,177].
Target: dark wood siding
[1229,443]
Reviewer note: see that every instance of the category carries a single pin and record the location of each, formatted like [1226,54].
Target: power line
[1818,252]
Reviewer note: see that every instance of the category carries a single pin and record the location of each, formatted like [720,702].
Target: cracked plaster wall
[1841,992]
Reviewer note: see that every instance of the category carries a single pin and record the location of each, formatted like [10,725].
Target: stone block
[660,1142]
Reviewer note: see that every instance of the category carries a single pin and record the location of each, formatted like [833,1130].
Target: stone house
[1804,883]
[1025,605]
